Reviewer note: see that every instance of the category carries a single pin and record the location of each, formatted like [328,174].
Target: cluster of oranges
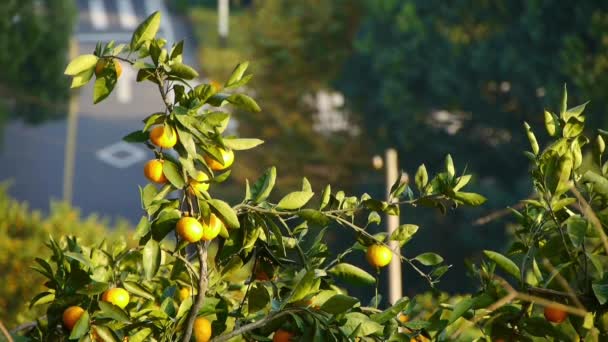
[117,296]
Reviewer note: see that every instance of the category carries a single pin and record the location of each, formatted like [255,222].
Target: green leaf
[600,184]
[325,197]
[417,325]
[308,283]
[81,327]
[460,309]
[105,333]
[164,223]
[81,64]
[295,200]
[314,216]
[470,198]
[184,307]
[391,312]
[239,144]
[136,137]
[373,217]
[421,178]
[42,298]
[449,166]
[244,102]
[404,233]
[258,298]
[226,212]
[461,182]
[576,228]
[145,31]
[103,86]
[573,128]
[183,71]
[93,288]
[237,73]
[429,259]
[151,256]
[140,335]
[109,310]
[142,228]
[80,258]
[137,290]
[263,186]
[564,107]
[360,324]
[503,262]
[575,112]
[531,139]
[339,304]
[565,170]
[550,123]
[173,174]
[352,274]
[82,78]
[601,292]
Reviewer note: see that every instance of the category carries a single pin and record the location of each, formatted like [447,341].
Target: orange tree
[256,270]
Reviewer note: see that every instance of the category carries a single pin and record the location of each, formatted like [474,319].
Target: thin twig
[5,332]
[201,250]
[590,215]
[564,283]
[248,327]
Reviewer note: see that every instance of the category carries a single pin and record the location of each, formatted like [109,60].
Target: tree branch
[5,332]
[201,250]
[248,327]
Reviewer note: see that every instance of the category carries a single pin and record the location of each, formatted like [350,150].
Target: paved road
[107,171]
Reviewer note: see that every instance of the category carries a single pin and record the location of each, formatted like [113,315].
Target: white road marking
[121,155]
[165,23]
[124,86]
[97,10]
[126,13]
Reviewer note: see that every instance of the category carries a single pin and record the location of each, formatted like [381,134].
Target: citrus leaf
[109,310]
[263,186]
[245,102]
[352,274]
[237,73]
[391,312]
[151,258]
[470,198]
[226,212]
[105,333]
[421,178]
[460,309]
[295,200]
[239,144]
[258,298]
[140,335]
[82,78]
[137,290]
[339,304]
[503,262]
[429,259]
[404,233]
[173,174]
[145,31]
[81,327]
[103,87]
[183,71]
[80,64]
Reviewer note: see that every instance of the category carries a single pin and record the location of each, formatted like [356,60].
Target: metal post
[392,222]
[223,14]
[70,143]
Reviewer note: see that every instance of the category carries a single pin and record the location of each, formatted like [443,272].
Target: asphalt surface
[107,171]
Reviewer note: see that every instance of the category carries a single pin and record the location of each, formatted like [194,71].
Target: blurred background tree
[32,82]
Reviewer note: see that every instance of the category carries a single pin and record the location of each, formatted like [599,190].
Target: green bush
[24,232]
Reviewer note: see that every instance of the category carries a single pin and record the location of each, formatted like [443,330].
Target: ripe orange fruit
[403,318]
[189,229]
[184,293]
[379,255]
[555,315]
[202,329]
[117,296]
[199,183]
[71,315]
[153,170]
[227,157]
[103,63]
[211,227]
[162,138]
[282,336]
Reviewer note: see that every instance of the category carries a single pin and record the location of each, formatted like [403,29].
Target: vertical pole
[70,144]
[392,222]
[223,13]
